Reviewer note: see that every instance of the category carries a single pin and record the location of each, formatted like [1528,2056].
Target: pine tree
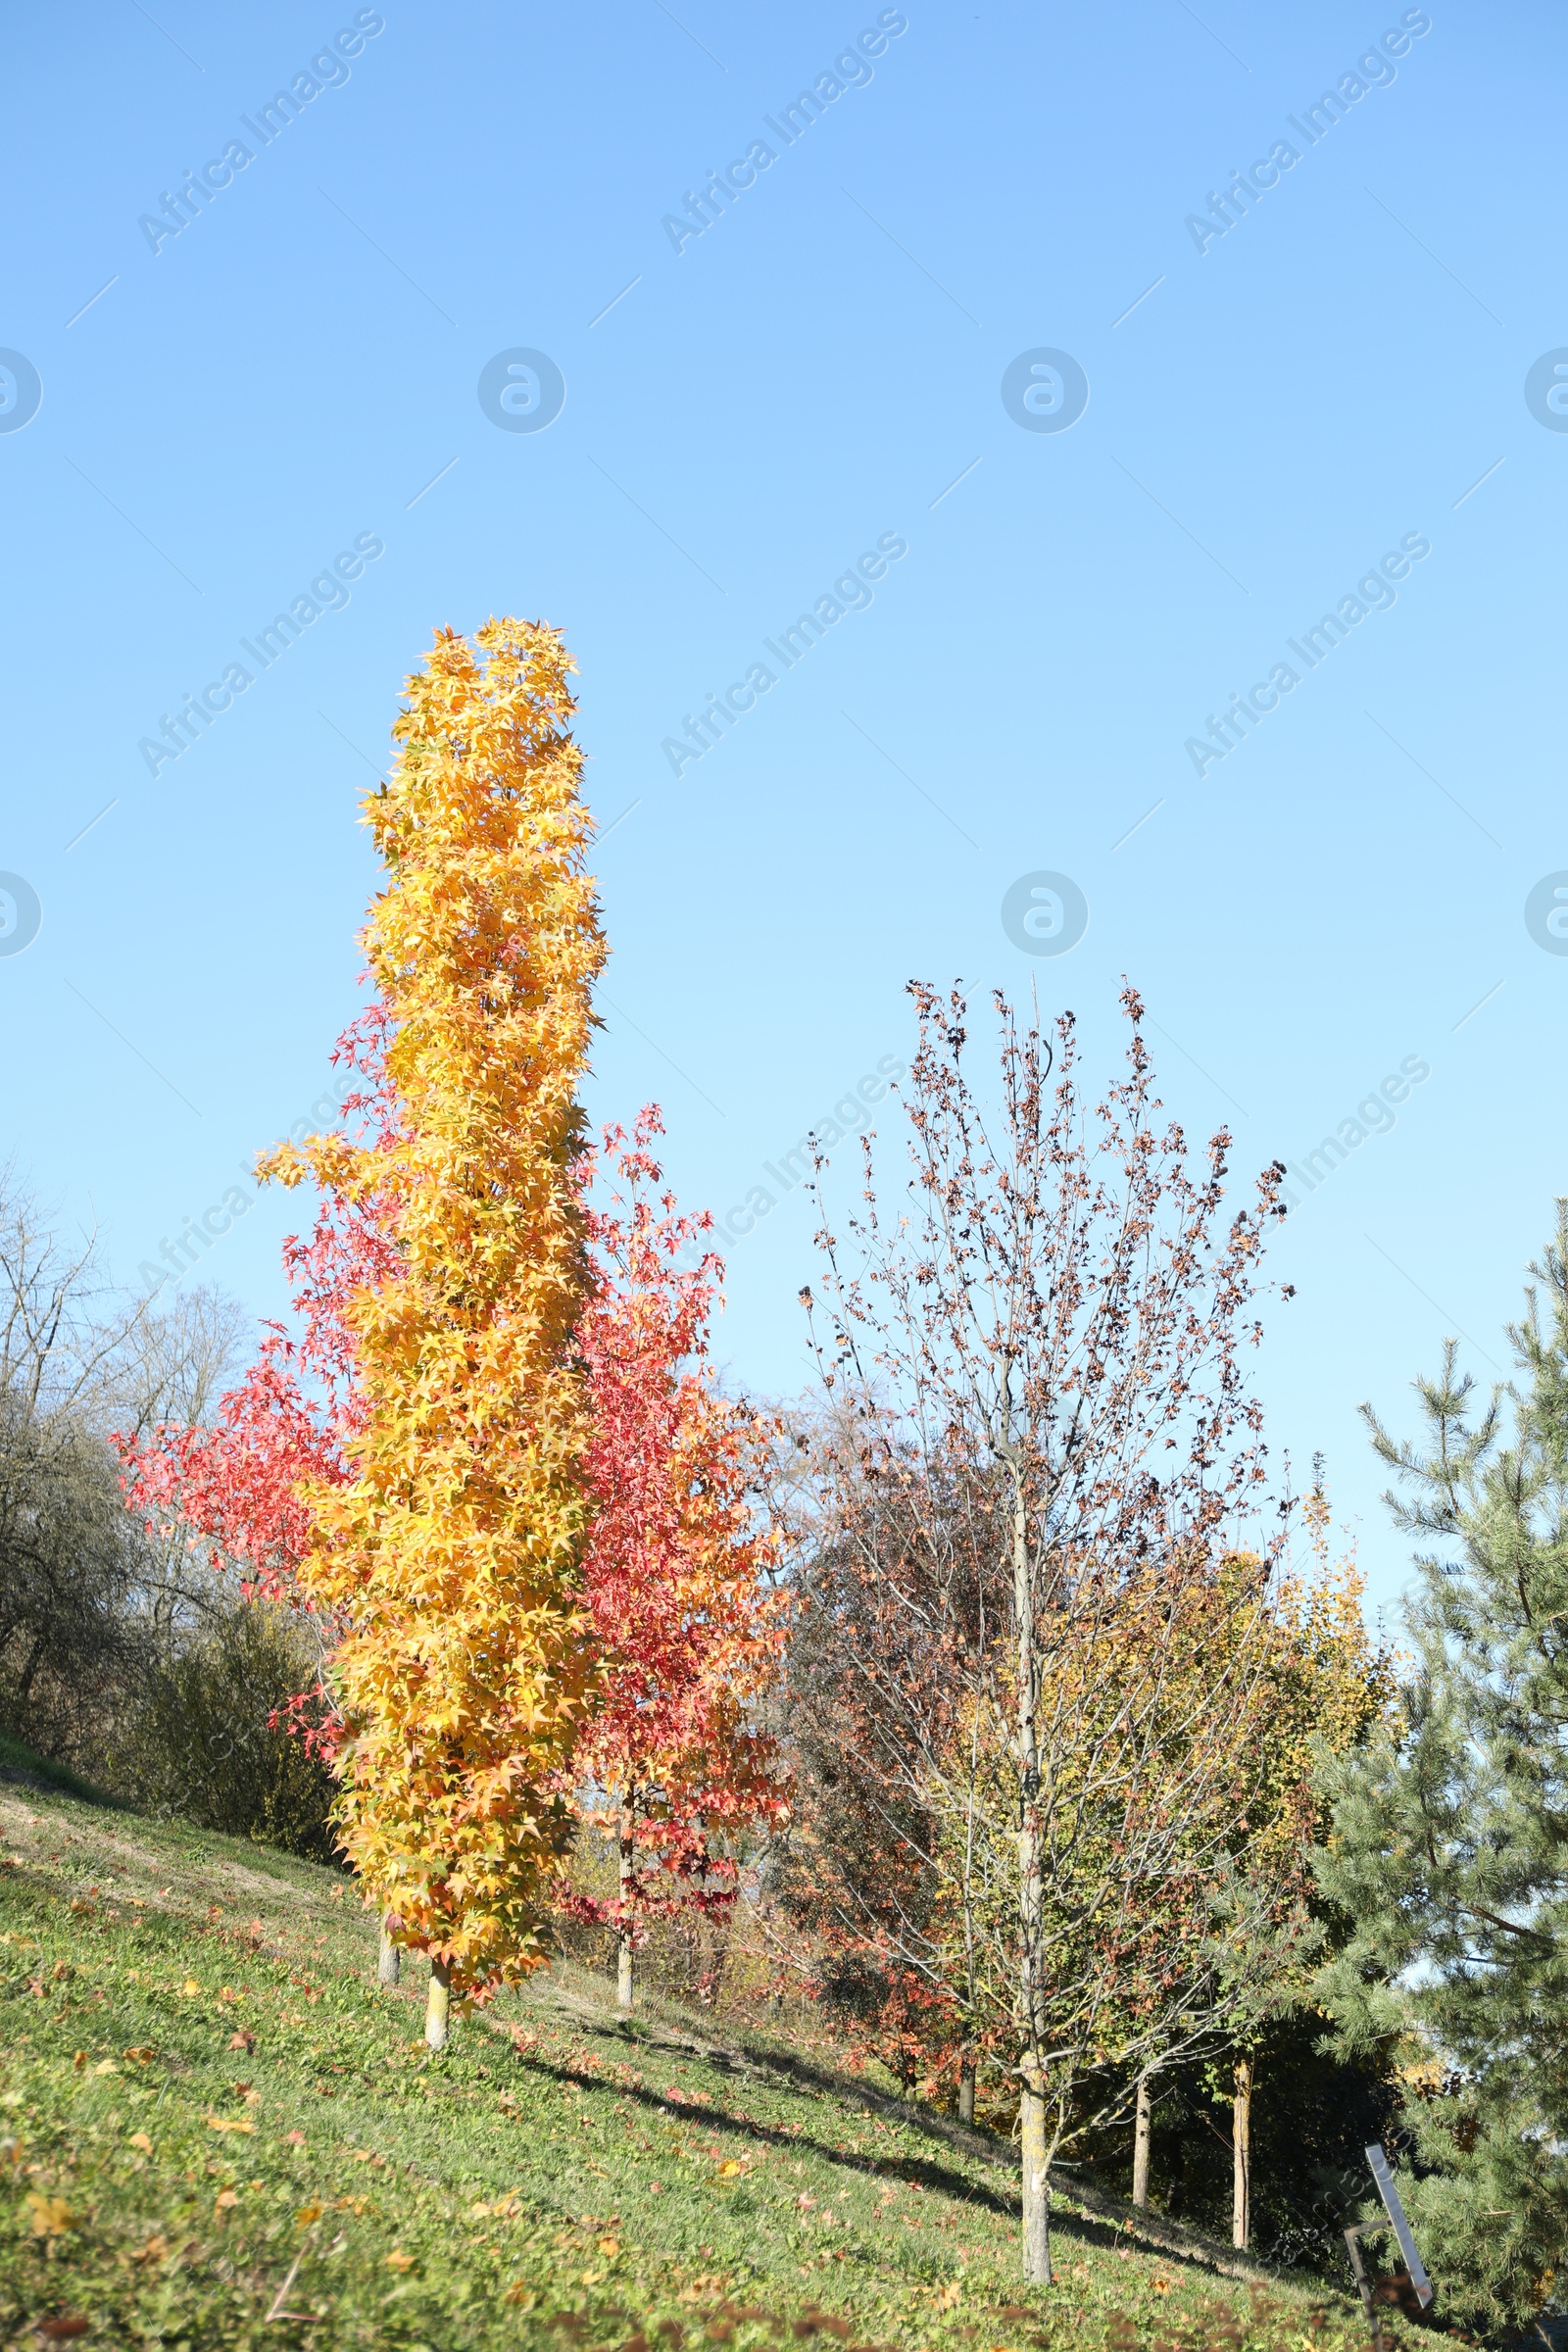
[1450,1847]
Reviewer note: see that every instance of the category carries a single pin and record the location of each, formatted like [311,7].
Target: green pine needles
[1450,1848]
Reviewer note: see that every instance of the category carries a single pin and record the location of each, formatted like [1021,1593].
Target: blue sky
[1275,404]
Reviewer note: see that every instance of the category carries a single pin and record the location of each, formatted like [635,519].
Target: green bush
[200,1743]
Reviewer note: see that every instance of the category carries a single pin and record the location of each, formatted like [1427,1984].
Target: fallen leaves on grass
[397,2260]
[505,2209]
[49,2217]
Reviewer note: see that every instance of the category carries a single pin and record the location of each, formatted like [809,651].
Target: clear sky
[1313,398]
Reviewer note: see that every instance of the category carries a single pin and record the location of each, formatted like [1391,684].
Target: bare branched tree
[1047,1633]
[84,1593]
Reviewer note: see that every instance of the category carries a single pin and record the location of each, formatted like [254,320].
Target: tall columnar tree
[1449,1847]
[675,1768]
[452,1552]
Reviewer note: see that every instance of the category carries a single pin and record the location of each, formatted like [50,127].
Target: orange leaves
[450,1550]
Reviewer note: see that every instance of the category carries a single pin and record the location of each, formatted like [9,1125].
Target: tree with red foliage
[674,1769]
[235,1487]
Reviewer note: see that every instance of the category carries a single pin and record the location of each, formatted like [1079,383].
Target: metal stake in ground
[1401,2227]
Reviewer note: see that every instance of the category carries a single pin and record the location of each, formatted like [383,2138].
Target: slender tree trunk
[25,1688]
[388,1959]
[438,2004]
[1035,2185]
[1031,1917]
[626,1986]
[966,2067]
[1141,2131]
[1241,2154]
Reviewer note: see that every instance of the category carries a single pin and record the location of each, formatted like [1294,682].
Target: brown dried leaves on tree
[1037,1629]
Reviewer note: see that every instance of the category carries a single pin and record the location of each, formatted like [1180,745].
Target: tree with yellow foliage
[1322,1689]
[452,1554]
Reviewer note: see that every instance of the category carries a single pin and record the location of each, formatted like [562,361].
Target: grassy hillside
[23,1765]
[218,2132]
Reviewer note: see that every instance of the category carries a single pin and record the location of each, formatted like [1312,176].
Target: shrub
[203,1742]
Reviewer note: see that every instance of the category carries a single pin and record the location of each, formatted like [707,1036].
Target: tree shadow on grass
[917,2171]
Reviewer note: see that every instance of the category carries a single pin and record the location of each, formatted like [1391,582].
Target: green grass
[208,2111]
[16,1759]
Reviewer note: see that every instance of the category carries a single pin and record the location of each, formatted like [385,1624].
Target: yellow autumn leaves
[453,1557]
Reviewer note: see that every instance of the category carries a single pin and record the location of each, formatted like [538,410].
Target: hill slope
[219,2131]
